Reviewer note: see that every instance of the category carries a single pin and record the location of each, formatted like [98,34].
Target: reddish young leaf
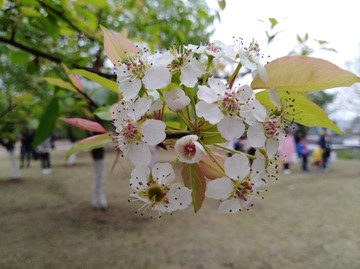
[116,46]
[85,124]
[194,180]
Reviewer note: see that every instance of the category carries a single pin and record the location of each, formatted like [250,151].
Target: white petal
[157,104]
[179,197]
[274,98]
[272,145]
[163,173]
[262,72]
[130,88]
[219,189]
[230,206]
[259,110]
[139,108]
[190,73]
[231,127]
[176,99]
[214,93]
[157,77]
[139,154]
[246,92]
[209,112]
[139,177]
[237,166]
[256,136]
[153,131]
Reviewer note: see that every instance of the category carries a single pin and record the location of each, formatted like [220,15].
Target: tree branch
[62,17]
[50,57]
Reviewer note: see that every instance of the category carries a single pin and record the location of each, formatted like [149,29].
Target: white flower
[158,191]
[188,149]
[190,68]
[250,58]
[176,99]
[215,49]
[136,133]
[143,68]
[268,129]
[264,168]
[236,188]
[225,107]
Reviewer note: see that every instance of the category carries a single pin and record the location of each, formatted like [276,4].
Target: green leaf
[47,122]
[222,4]
[209,134]
[90,143]
[301,110]
[116,46]
[60,83]
[29,12]
[194,180]
[303,74]
[103,113]
[107,83]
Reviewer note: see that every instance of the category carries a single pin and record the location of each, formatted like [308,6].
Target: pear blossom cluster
[170,100]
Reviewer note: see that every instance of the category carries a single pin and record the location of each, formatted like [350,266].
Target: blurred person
[287,151]
[44,154]
[325,145]
[303,153]
[26,149]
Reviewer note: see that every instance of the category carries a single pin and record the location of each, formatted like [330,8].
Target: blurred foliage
[36,36]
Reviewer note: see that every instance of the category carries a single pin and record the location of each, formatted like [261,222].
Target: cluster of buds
[169,99]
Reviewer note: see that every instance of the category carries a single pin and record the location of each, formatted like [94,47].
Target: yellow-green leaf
[90,143]
[60,83]
[301,110]
[29,12]
[194,180]
[107,83]
[303,74]
[116,46]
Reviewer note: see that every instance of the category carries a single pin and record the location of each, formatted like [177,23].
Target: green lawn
[305,221]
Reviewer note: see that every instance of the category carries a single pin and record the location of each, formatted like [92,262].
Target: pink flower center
[271,128]
[189,150]
[211,47]
[231,102]
[243,190]
[129,130]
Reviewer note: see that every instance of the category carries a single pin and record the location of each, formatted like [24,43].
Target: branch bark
[49,57]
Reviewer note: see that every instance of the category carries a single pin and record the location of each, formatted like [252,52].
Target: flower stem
[234,151]
[233,76]
[187,121]
[208,151]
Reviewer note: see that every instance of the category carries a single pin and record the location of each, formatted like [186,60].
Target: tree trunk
[98,196]
[15,170]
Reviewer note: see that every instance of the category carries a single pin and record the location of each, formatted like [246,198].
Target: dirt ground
[305,221]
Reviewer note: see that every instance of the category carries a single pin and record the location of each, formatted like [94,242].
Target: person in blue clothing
[303,153]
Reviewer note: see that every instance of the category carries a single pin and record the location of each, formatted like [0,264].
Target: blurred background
[48,218]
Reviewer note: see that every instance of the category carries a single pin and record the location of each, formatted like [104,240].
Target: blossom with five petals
[145,69]
[158,190]
[227,108]
[236,189]
[135,132]
[188,149]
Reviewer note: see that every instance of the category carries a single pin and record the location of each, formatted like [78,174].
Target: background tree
[38,36]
